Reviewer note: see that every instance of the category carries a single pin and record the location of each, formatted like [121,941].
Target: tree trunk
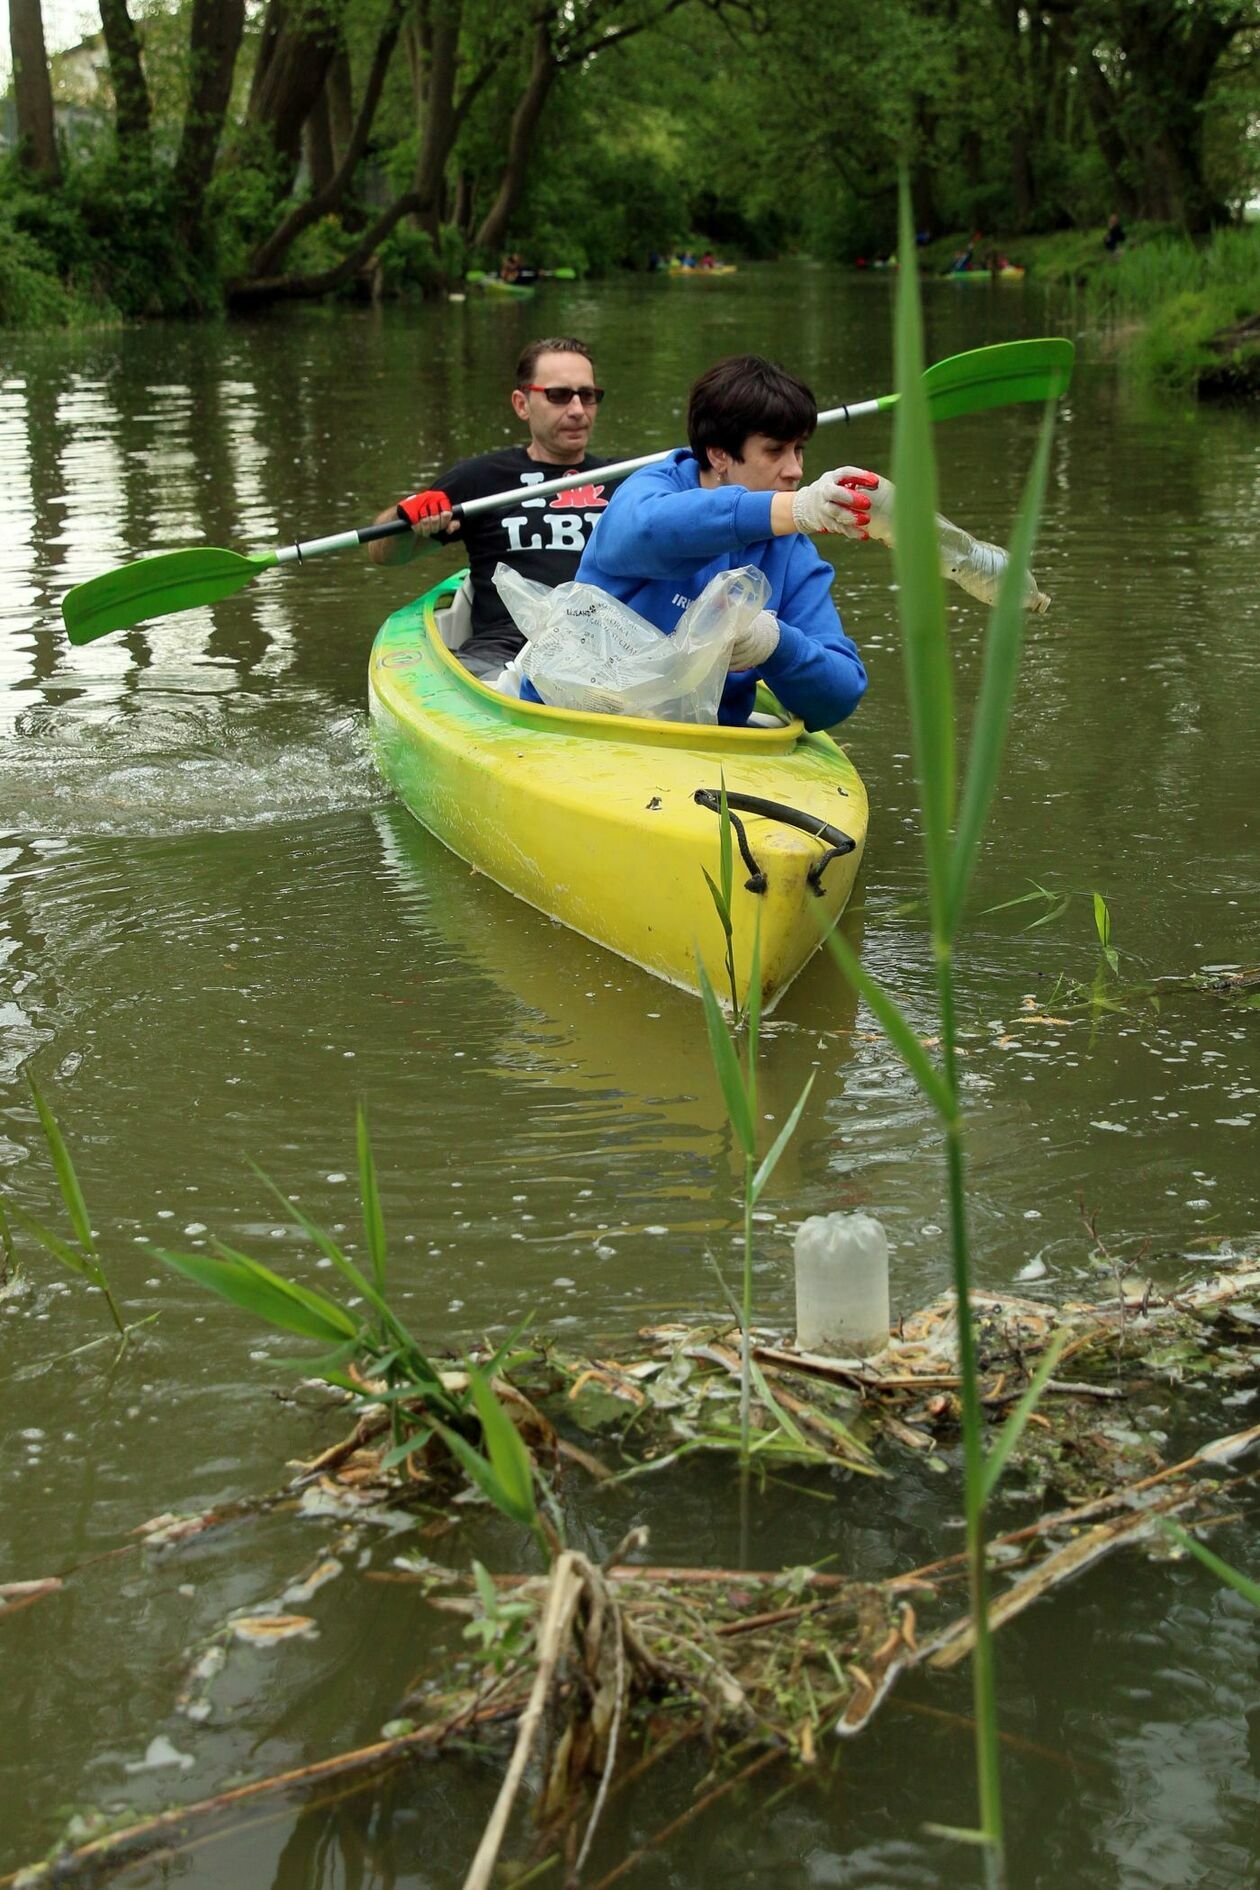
[213,42]
[1023,193]
[923,172]
[32,91]
[322,201]
[317,146]
[340,97]
[297,67]
[529,109]
[441,121]
[1103,112]
[133,113]
[465,203]
[268,40]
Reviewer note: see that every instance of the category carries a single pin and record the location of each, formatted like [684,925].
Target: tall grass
[1144,276]
[953,819]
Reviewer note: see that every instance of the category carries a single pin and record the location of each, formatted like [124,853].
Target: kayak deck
[609,823]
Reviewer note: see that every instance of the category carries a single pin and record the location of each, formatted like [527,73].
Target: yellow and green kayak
[609,823]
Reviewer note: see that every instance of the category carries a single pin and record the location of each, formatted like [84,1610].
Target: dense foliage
[229,152]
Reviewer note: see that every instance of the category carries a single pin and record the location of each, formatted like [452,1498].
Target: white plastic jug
[841,1285]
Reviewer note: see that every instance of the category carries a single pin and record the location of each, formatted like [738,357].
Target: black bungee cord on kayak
[838,842]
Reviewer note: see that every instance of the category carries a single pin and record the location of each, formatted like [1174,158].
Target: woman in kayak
[734,497]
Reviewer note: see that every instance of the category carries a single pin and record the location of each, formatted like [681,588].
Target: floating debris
[265,1630]
[594,1672]
[160,1753]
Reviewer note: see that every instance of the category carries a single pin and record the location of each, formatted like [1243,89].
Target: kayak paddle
[171,581]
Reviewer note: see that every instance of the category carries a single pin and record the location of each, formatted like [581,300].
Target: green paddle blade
[999,376]
[154,587]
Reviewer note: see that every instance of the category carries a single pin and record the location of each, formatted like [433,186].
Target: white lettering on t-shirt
[566,531]
[514,527]
[533,479]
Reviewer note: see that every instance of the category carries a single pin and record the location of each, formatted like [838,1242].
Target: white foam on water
[173,774]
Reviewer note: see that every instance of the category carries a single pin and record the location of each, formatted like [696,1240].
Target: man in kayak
[733,498]
[556,395]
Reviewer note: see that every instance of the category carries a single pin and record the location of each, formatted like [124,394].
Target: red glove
[424,511]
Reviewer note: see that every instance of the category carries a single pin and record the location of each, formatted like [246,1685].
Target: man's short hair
[527,366]
[746,394]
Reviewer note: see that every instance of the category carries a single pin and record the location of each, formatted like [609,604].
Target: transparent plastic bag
[587,650]
[972,563]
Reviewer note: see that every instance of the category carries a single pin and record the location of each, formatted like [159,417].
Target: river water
[217,932]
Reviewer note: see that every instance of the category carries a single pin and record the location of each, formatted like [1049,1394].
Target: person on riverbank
[734,497]
[1113,236]
[556,395]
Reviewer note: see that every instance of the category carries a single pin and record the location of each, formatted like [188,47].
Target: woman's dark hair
[527,366]
[745,394]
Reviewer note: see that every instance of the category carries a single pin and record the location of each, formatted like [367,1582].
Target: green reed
[84,1258]
[721,891]
[953,822]
[371,1354]
[739,1092]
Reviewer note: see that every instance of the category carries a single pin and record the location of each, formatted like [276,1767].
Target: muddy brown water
[217,931]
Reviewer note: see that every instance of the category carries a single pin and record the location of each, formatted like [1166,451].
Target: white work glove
[757,644]
[835,503]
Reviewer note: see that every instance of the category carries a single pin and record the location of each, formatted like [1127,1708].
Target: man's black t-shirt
[543,538]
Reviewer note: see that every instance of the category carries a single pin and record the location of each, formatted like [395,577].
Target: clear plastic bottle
[972,563]
[841,1285]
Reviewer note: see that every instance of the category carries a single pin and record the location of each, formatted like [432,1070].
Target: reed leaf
[925,650]
[726,1063]
[781,1140]
[1102,925]
[370,1195]
[505,1449]
[896,1028]
[331,1251]
[256,1289]
[784,1419]
[997,685]
[1017,1423]
[1224,1571]
[753,1016]
[85,1265]
[67,1179]
[414,1441]
[721,905]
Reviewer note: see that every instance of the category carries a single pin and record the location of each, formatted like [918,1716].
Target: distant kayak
[495,285]
[1011,273]
[713,269]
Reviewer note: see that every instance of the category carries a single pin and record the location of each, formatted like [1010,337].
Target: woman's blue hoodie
[663,537]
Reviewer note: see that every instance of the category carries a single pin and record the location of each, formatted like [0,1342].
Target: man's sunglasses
[561,396]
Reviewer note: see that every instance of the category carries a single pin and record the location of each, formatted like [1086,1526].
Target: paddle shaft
[499,501]
[995,376]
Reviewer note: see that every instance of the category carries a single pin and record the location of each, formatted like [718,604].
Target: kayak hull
[593,819]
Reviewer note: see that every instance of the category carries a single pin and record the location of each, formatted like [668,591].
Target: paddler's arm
[652,530]
[429,515]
